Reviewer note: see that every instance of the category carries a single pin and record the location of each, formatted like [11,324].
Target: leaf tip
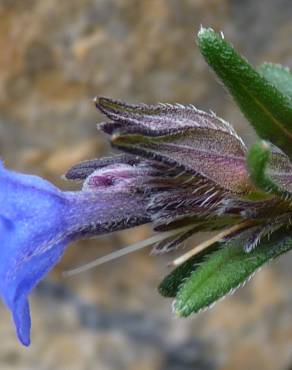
[205,31]
[264,145]
[208,34]
[181,311]
[258,156]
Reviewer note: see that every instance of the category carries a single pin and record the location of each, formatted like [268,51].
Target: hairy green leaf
[172,282]
[225,270]
[265,106]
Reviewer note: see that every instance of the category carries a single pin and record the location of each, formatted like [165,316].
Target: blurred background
[55,56]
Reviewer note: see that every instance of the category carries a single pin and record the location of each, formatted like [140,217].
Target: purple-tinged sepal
[182,136]
[82,170]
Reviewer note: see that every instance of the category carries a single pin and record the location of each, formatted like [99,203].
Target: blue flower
[37,221]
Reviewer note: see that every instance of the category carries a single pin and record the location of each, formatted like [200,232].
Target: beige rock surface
[55,57]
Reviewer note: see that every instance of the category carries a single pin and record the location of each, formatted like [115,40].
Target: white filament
[124,251]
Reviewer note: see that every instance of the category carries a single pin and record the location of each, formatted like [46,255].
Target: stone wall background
[55,57]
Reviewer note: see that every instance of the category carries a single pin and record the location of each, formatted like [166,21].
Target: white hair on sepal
[180,105]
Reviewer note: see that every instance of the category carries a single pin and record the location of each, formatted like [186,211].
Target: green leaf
[265,106]
[279,76]
[258,159]
[172,282]
[225,270]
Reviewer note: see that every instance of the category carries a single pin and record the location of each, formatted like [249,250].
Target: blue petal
[22,321]
[18,287]
[33,236]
